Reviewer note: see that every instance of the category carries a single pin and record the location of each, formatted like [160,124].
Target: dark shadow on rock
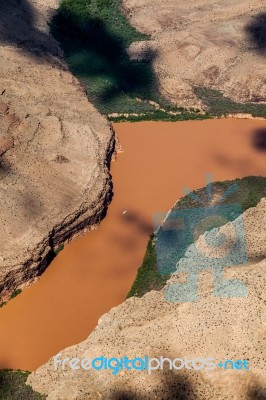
[18,28]
[256,30]
[31,204]
[173,387]
[256,392]
[176,387]
[259,139]
[125,395]
[96,53]
[5,167]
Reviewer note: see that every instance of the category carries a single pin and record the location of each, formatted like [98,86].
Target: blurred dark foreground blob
[259,139]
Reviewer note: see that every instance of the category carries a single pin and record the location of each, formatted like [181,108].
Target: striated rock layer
[54,147]
[219,44]
[222,328]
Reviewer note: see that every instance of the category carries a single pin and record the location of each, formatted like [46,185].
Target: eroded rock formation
[54,146]
[222,328]
[218,44]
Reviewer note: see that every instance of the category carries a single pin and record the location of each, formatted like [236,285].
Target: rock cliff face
[54,146]
[222,328]
[218,44]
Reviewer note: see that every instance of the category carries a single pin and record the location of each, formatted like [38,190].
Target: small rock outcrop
[222,328]
[54,147]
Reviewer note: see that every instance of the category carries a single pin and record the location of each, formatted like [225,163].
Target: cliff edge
[221,328]
[54,147]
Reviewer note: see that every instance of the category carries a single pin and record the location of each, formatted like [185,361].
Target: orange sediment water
[95,272]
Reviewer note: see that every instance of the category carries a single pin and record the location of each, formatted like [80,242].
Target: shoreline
[100,266]
[228,116]
[86,218]
[112,152]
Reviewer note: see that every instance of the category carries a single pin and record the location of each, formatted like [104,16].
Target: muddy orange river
[95,272]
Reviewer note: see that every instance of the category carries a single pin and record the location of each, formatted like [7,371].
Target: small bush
[13,386]
[218,104]
[15,293]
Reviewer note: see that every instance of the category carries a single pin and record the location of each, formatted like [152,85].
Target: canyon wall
[54,147]
[222,328]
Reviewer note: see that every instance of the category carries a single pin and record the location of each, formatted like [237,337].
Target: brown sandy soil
[214,43]
[95,272]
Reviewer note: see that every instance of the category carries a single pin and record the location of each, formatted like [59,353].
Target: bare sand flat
[95,272]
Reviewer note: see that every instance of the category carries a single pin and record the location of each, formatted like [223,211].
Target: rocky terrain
[54,147]
[210,43]
[223,328]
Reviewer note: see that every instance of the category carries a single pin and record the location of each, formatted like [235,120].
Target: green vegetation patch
[218,104]
[13,386]
[250,191]
[59,249]
[148,277]
[160,115]
[95,35]
[12,296]
[15,293]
